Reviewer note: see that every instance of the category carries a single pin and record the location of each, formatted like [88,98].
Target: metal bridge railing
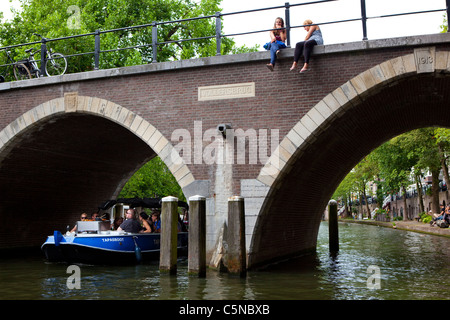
[218,31]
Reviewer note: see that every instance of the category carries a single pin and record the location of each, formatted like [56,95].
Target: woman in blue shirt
[277,41]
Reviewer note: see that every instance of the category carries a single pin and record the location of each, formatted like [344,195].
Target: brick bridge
[68,143]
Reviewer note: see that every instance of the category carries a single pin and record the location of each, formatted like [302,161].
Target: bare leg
[294,66]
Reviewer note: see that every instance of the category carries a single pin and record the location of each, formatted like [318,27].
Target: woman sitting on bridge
[313,37]
[277,41]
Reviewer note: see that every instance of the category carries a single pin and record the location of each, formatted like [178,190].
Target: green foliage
[379,211]
[444,25]
[154,179]
[61,18]
[427,219]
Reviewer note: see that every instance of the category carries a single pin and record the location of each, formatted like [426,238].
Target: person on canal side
[130,224]
[441,218]
[277,41]
[305,48]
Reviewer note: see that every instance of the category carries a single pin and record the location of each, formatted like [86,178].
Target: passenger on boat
[156,221]
[146,226]
[94,216]
[82,218]
[185,217]
[117,222]
[130,224]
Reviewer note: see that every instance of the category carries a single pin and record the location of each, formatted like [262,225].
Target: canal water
[372,263]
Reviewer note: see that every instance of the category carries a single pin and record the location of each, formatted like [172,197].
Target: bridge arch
[82,151]
[109,110]
[396,96]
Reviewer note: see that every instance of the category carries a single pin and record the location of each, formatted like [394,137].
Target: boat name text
[112,239]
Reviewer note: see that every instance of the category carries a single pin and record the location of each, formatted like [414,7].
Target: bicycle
[20,70]
[55,64]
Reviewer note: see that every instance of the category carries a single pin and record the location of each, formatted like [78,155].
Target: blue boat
[95,243]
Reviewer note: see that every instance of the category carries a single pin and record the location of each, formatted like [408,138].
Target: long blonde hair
[308,22]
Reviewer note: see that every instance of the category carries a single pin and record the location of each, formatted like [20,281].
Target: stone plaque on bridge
[425,59]
[228,91]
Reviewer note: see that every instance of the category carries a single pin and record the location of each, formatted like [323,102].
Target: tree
[344,191]
[442,136]
[364,172]
[395,162]
[61,18]
[153,179]
[424,146]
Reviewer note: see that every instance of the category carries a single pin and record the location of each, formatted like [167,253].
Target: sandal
[270,66]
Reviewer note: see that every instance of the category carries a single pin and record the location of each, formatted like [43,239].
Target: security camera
[222,128]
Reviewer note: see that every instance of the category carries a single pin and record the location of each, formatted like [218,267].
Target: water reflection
[411,266]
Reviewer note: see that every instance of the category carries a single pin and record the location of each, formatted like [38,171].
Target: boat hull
[108,248]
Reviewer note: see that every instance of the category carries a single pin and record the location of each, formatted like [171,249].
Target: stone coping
[405,225]
[414,41]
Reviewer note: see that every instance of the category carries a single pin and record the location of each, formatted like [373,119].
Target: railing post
[218,34]
[43,56]
[287,20]
[364,19]
[97,50]
[154,41]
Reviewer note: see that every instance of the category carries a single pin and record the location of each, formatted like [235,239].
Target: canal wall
[397,207]
[405,225]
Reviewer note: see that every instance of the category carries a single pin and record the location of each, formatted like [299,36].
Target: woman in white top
[313,37]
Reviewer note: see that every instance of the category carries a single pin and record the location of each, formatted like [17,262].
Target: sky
[417,24]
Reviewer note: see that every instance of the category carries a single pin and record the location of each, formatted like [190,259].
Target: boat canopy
[139,202]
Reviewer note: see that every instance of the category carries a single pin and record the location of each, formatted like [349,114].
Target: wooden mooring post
[237,254]
[333,232]
[169,235]
[197,236]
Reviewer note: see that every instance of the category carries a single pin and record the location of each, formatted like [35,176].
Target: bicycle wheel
[56,65]
[21,72]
